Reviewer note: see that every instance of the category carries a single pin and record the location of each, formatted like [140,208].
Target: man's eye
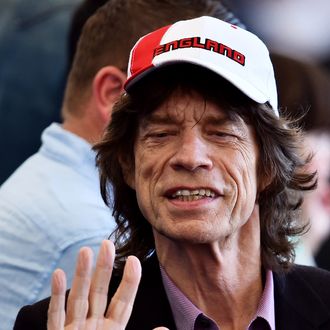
[219,133]
[222,135]
[160,134]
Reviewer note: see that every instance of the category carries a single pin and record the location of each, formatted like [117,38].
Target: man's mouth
[187,195]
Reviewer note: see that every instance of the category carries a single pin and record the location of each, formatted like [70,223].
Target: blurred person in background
[316,205]
[33,67]
[58,186]
[51,205]
[303,89]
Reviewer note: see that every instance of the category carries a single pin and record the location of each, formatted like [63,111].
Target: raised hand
[87,302]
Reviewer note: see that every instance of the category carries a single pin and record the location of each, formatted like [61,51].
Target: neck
[224,275]
[83,128]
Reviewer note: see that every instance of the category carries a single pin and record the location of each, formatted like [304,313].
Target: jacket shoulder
[317,279]
[33,317]
[302,298]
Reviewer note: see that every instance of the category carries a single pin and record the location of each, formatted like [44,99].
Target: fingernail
[133,266]
[85,259]
[107,253]
[59,280]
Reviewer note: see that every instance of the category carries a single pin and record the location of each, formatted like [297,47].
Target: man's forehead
[202,114]
[180,106]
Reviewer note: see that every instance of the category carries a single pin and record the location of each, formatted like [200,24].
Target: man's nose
[192,153]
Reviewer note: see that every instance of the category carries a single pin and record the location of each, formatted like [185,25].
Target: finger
[100,281]
[121,304]
[78,297]
[161,328]
[56,309]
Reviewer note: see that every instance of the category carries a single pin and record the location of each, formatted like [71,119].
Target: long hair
[280,162]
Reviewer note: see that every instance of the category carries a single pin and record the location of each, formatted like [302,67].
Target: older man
[207,179]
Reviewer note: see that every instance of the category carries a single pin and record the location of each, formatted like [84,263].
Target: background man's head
[108,36]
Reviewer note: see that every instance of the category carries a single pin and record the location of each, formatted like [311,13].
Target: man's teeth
[191,195]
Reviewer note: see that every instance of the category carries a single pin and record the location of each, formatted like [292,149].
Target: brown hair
[303,88]
[280,162]
[109,35]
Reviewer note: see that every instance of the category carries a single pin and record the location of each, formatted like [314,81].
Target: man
[52,206]
[206,181]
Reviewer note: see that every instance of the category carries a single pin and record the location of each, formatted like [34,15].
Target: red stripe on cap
[142,54]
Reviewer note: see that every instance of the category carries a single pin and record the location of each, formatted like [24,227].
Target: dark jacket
[302,302]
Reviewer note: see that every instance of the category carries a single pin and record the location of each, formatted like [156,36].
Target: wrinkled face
[195,170]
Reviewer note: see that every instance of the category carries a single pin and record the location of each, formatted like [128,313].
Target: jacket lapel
[151,308]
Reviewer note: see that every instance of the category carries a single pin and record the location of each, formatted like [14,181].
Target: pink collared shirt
[188,317]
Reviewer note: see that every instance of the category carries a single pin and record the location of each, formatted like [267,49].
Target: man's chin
[190,235]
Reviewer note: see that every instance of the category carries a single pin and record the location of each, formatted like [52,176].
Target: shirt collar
[266,308]
[185,313]
[62,145]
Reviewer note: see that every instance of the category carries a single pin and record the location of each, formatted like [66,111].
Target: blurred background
[33,65]
[297,28]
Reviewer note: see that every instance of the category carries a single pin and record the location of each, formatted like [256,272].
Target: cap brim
[243,85]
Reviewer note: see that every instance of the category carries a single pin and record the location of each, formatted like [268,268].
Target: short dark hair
[82,13]
[108,35]
[280,161]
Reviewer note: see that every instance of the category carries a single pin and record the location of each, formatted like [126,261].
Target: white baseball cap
[233,53]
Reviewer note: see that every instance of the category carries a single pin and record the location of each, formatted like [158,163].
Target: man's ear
[108,85]
[127,167]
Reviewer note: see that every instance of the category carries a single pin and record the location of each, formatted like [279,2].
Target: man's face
[195,170]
